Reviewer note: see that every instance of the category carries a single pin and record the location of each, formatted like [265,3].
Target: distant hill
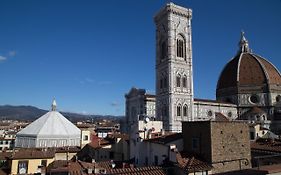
[31,113]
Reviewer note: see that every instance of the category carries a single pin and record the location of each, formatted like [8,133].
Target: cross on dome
[243,44]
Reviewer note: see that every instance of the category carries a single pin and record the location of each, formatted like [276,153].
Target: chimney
[123,165]
[162,131]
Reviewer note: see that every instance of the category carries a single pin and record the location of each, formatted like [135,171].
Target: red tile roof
[190,163]
[33,153]
[166,138]
[220,117]
[267,146]
[153,170]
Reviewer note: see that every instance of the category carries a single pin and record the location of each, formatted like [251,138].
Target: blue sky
[88,54]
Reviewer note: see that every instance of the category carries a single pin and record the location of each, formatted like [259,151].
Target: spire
[243,44]
[54,105]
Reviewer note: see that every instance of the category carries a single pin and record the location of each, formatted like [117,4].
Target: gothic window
[165,82]
[161,83]
[163,111]
[184,81]
[278,98]
[185,110]
[178,79]
[179,110]
[180,47]
[163,50]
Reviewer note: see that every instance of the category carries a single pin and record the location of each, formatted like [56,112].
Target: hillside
[31,113]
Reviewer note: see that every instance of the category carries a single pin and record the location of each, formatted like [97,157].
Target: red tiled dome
[248,69]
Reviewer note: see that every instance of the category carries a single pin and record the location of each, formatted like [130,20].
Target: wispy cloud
[2,58]
[114,104]
[12,53]
[89,80]
[105,83]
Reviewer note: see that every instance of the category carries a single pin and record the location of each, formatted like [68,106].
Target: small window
[111,155]
[163,50]
[86,138]
[161,83]
[195,143]
[22,167]
[44,163]
[254,99]
[184,82]
[229,114]
[278,98]
[155,160]
[185,110]
[165,82]
[180,48]
[210,113]
[179,110]
[178,79]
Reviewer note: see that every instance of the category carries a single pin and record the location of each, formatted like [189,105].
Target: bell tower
[174,77]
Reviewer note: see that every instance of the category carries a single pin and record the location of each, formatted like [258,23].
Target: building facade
[139,104]
[174,76]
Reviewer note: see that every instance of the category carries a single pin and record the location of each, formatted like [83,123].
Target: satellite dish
[146,119]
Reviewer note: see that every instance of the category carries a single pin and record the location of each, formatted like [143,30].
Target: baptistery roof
[248,69]
[51,125]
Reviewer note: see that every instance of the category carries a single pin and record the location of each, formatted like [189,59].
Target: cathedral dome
[248,69]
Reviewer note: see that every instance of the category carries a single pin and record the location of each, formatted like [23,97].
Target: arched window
[178,81]
[185,110]
[180,47]
[163,50]
[179,110]
[184,81]
[278,98]
[161,83]
[165,82]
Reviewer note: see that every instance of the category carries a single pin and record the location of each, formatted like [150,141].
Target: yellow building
[30,161]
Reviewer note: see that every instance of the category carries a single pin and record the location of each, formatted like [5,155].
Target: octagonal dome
[248,69]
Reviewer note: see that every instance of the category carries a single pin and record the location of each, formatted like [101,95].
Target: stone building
[174,73]
[249,87]
[139,104]
[224,145]
[174,76]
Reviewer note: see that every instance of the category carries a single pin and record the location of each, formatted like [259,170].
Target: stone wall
[225,145]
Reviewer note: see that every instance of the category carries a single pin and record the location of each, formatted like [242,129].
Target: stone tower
[174,77]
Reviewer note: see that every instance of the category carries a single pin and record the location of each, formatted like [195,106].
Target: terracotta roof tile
[248,69]
[153,170]
[166,138]
[220,117]
[266,146]
[33,153]
[5,155]
[191,163]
